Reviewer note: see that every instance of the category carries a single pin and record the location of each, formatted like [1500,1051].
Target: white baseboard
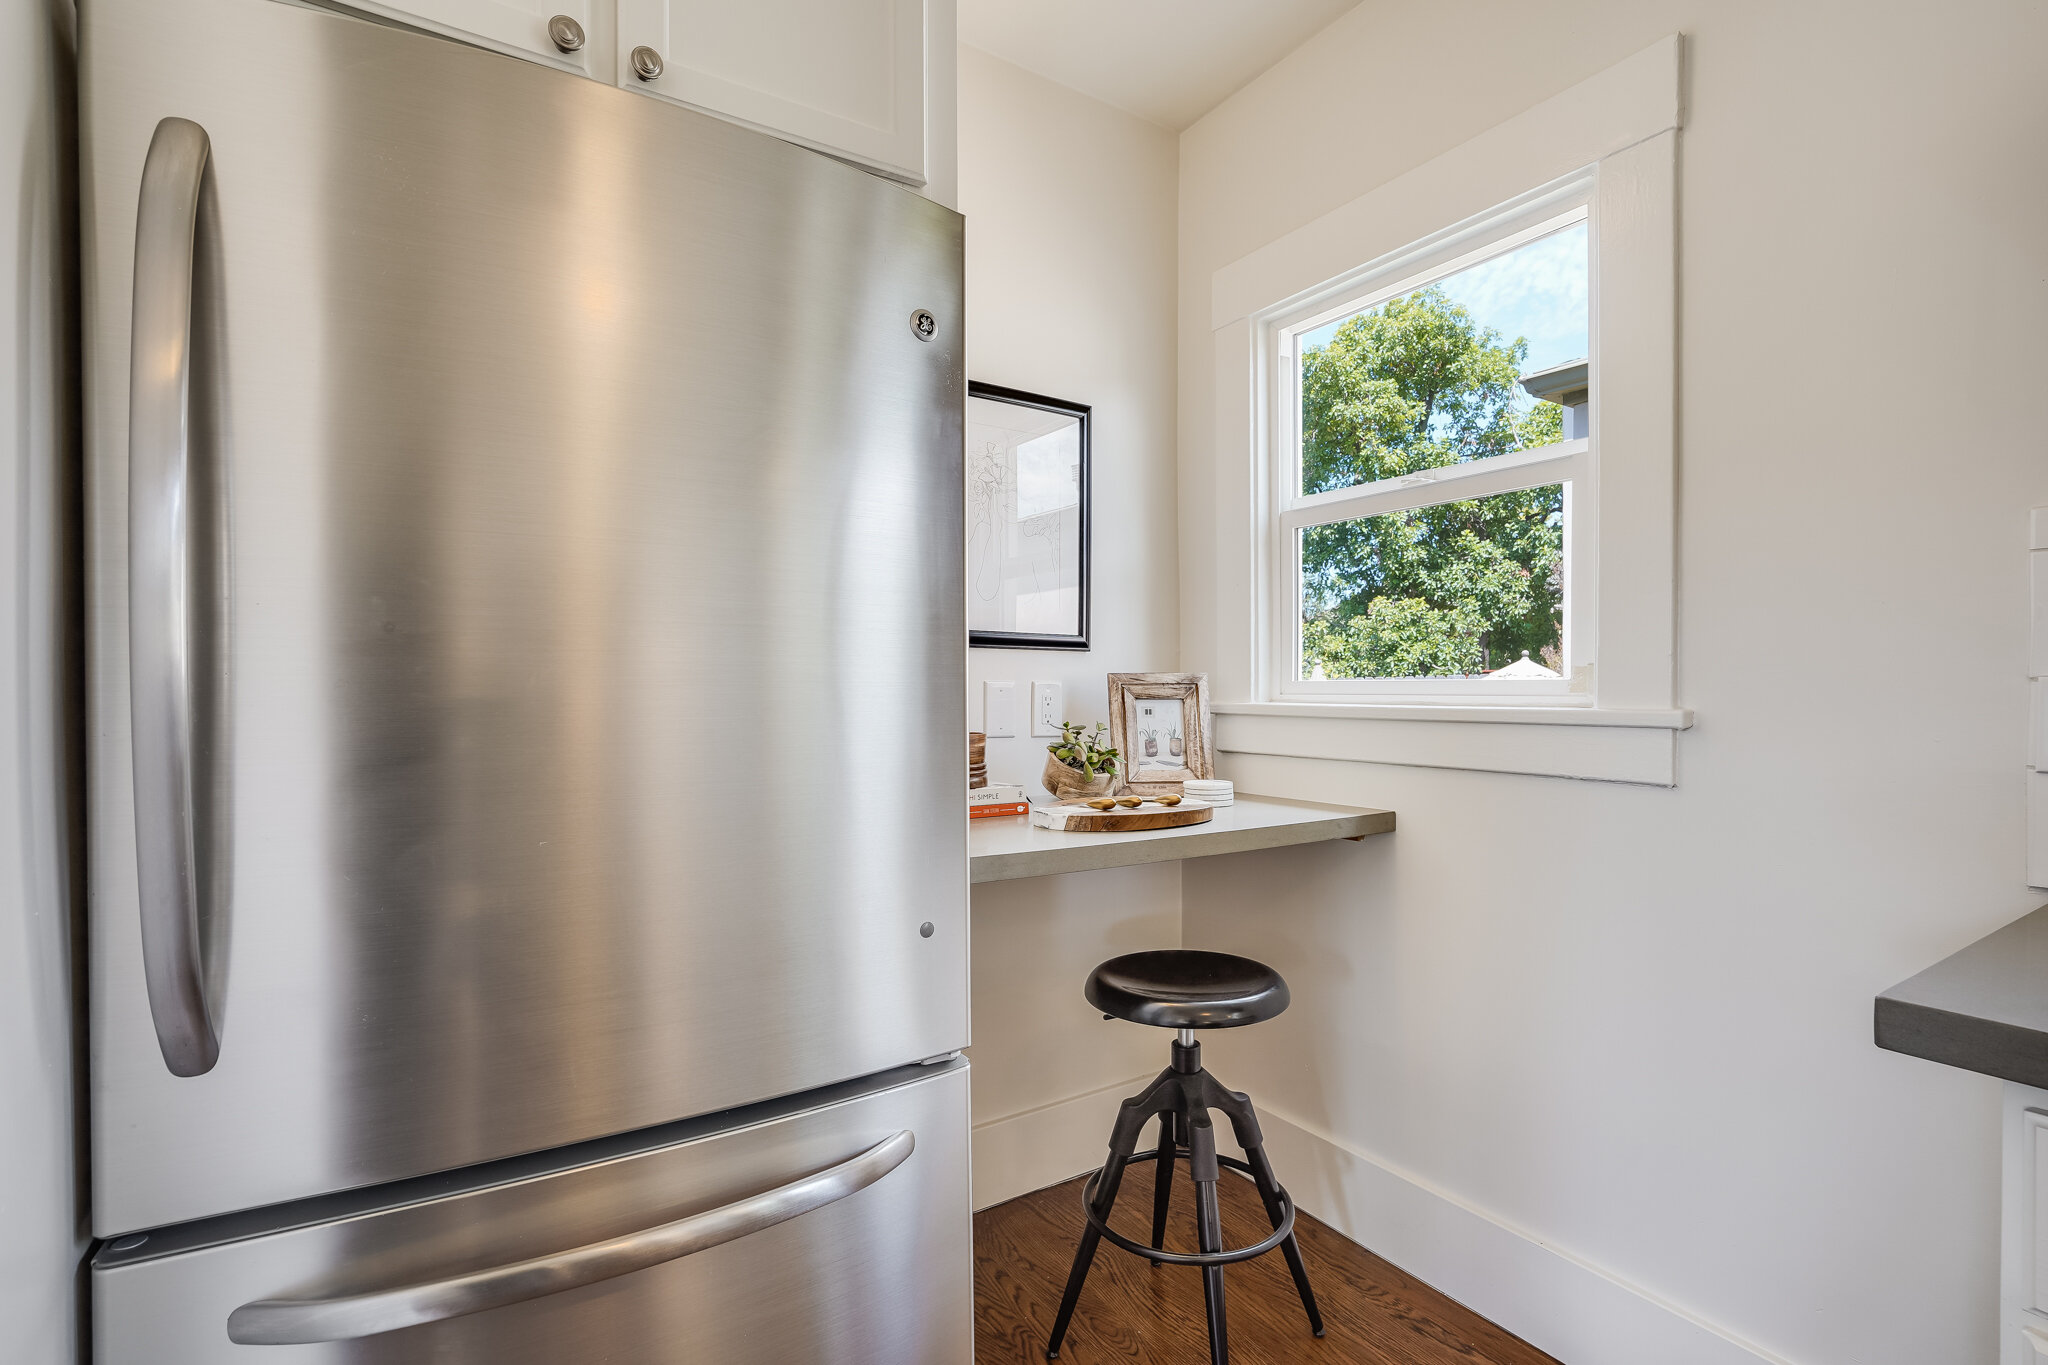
[1574,1310]
[1019,1153]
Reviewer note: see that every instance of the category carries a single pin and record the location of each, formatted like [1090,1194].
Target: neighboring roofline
[1559,383]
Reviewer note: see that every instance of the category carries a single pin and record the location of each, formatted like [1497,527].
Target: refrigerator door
[526,601]
[837,1233]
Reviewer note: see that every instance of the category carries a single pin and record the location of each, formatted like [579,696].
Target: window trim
[1617,130]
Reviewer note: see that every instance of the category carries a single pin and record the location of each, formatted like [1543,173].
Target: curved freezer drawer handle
[292,1322]
[160,609]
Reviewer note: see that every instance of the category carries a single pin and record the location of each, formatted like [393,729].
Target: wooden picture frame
[1160,711]
[1027,520]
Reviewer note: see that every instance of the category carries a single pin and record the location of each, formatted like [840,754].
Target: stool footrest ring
[1202,1258]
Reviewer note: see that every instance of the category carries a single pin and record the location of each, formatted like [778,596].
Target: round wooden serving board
[1078,819]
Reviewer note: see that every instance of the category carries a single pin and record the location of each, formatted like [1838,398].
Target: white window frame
[1572,463]
[1613,139]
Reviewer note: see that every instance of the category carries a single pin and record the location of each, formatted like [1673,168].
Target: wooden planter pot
[1069,784]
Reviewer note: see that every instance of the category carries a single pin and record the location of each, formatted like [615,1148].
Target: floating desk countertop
[1006,847]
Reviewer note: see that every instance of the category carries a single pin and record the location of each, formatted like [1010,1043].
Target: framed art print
[1027,520]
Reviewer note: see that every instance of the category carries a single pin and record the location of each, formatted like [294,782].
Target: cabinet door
[520,27]
[2024,1257]
[844,76]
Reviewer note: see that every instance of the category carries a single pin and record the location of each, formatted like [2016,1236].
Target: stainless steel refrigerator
[526,687]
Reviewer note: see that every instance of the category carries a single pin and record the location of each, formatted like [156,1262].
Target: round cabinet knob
[646,63]
[566,33]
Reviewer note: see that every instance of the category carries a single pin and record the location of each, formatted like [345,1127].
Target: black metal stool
[1186,990]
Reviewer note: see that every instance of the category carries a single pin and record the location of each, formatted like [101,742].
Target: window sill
[1582,742]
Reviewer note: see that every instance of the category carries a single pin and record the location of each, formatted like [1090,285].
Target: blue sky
[1537,291]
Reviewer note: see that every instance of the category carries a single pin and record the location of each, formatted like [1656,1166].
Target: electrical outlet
[1047,708]
[999,710]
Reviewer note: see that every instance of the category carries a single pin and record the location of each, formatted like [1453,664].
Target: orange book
[994,808]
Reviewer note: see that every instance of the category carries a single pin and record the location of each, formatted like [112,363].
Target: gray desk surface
[1983,1009]
[1005,847]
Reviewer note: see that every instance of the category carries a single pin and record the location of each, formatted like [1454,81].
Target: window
[1534,512]
[1432,422]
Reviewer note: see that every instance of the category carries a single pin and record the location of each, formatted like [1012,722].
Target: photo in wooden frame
[1159,726]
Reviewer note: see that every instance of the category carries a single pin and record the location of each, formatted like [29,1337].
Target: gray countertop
[1009,846]
[1983,1009]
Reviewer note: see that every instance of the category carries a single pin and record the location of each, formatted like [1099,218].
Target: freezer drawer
[838,1230]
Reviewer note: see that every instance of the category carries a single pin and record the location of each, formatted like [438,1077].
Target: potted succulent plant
[1080,766]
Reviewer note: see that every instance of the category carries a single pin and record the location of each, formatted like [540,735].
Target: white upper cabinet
[564,33]
[845,76]
[866,80]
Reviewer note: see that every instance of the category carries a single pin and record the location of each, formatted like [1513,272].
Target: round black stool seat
[1184,988]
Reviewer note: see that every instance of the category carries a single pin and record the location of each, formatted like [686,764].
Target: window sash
[1377,288]
[1568,464]
[1559,463]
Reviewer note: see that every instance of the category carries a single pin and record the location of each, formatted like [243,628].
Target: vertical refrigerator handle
[161,496]
[347,1317]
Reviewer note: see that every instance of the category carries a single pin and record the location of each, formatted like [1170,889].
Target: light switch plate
[999,710]
[1048,708]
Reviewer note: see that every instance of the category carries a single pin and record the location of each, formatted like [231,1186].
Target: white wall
[1619,1036]
[42,1209]
[1070,210]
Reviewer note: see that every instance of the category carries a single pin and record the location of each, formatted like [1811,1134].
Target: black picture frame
[1010,639]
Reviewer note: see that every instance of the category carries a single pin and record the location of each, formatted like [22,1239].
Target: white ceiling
[1167,61]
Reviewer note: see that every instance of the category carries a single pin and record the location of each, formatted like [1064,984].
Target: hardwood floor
[1135,1313]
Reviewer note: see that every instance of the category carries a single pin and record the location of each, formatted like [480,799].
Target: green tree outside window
[1447,590]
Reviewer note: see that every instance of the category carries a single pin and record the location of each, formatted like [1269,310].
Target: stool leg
[1202,1169]
[1130,1121]
[1084,1255]
[1245,1123]
[1162,1178]
[1269,1193]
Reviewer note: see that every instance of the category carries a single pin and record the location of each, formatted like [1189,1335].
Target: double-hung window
[1431,445]
[1434,516]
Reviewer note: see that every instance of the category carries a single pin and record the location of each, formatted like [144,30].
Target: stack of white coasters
[1216,793]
